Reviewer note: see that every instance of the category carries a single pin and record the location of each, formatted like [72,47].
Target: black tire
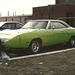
[72,42]
[35,46]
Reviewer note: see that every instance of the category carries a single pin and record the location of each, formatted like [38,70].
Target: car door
[56,33]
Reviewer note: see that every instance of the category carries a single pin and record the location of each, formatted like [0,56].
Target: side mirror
[53,27]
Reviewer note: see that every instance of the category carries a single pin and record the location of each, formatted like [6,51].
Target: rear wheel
[35,46]
[72,42]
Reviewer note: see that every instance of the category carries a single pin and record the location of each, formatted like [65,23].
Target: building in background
[60,9]
[65,2]
[21,18]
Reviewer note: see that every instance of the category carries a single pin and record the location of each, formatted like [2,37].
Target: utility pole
[8,13]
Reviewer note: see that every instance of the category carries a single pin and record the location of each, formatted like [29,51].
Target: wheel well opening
[38,39]
[73,37]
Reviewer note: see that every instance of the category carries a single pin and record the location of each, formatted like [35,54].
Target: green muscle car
[36,34]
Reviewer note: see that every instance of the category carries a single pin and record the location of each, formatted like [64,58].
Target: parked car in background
[10,25]
[38,33]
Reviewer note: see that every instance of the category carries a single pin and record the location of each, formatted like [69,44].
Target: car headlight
[4,40]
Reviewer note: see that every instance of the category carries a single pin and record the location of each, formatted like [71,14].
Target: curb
[41,54]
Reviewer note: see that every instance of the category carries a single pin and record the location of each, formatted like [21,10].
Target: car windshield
[35,25]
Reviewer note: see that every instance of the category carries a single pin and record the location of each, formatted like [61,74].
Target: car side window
[8,26]
[58,25]
[18,25]
[11,25]
[5,26]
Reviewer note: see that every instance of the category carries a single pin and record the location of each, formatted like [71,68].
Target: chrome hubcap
[72,41]
[35,46]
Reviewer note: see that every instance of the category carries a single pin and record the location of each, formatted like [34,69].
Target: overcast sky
[21,6]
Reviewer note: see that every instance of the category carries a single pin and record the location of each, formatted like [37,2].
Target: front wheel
[35,46]
[72,42]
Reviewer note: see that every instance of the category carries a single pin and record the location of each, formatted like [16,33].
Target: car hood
[12,33]
[18,31]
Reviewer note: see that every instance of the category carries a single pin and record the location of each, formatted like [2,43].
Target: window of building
[43,16]
[70,19]
[65,1]
[50,15]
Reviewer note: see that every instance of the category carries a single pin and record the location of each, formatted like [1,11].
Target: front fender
[12,43]
[26,38]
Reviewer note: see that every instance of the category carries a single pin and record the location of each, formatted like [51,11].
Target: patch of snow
[4,55]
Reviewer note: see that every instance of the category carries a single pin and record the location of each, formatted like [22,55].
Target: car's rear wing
[65,18]
[69,20]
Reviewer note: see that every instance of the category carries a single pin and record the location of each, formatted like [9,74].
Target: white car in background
[10,25]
